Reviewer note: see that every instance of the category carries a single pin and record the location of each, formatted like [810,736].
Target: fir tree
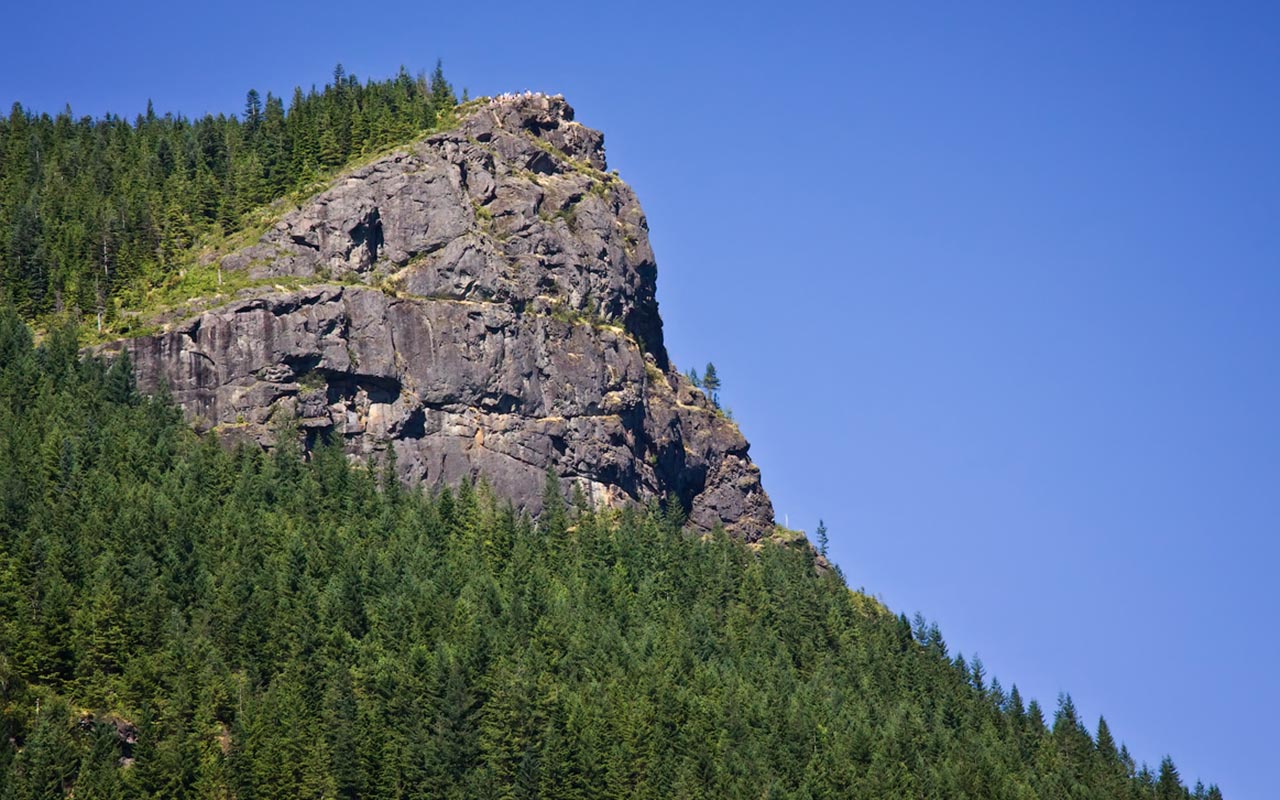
[711,382]
[1169,784]
[442,96]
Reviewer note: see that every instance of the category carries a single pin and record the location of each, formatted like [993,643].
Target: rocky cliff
[482,302]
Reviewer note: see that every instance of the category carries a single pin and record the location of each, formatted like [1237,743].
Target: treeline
[182,621]
[90,206]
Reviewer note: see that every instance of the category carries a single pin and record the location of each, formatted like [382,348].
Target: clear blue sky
[996,291]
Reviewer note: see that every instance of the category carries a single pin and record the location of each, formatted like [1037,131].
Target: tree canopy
[93,209]
[181,620]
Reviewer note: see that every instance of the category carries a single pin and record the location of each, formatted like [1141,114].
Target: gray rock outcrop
[483,303]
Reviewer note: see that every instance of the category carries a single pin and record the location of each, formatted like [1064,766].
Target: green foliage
[95,210]
[711,383]
[274,627]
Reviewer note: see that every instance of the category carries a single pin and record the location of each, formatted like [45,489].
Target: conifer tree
[711,382]
[252,112]
[442,96]
[554,517]
[1169,784]
[978,674]
[46,767]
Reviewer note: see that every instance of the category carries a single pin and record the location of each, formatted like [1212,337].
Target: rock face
[482,303]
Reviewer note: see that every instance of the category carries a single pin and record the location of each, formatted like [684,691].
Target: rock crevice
[492,313]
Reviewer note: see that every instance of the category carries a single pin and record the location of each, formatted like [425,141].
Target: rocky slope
[483,303]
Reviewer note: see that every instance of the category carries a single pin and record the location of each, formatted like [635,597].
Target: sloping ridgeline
[179,618]
[94,212]
[179,621]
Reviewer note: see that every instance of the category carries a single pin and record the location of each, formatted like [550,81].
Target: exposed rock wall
[483,303]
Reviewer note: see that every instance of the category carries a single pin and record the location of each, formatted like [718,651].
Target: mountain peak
[482,303]
[547,117]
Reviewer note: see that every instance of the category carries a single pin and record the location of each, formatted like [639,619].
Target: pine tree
[978,674]
[554,518]
[711,382]
[442,96]
[98,775]
[47,765]
[1169,784]
[120,384]
[252,112]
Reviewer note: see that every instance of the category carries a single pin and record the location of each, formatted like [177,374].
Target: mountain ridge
[183,619]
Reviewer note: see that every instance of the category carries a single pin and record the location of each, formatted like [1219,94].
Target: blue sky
[992,289]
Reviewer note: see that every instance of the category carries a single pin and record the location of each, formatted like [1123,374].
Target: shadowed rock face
[483,304]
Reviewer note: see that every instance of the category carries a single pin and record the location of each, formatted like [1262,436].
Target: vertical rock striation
[482,302]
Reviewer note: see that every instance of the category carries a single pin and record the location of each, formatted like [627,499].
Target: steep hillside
[390,496]
[180,621]
[482,304]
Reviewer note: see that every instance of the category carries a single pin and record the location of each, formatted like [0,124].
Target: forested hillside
[91,209]
[180,621]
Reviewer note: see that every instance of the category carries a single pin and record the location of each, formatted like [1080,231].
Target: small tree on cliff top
[711,382]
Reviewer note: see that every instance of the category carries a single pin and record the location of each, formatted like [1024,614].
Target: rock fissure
[472,329]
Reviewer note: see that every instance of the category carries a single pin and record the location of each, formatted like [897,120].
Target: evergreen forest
[180,620]
[93,212]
